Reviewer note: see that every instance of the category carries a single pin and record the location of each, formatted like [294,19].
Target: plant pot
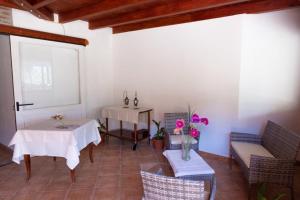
[158,144]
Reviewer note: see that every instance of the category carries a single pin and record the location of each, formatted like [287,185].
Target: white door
[48,80]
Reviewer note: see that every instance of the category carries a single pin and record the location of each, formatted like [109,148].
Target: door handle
[23,104]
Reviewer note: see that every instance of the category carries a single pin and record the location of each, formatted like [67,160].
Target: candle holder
[135,101]
[125,99]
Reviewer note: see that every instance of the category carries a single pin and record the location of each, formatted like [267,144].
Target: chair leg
[249,191]
[292,193]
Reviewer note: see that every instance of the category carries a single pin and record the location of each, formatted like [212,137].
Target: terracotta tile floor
[113,175]
[5,157]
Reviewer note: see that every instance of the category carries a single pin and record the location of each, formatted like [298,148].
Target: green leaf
[279,196]
[156,123]
[261,192]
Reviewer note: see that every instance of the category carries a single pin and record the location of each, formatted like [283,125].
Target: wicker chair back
[280,142]
[170,121]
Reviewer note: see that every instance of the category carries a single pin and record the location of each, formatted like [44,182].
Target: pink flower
[194,132]
[180,123]
[204,121]
[195,118]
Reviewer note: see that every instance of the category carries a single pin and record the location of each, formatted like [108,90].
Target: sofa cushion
[177,139]
[245,150]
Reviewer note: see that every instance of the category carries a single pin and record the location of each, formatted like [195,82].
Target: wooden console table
[130,115]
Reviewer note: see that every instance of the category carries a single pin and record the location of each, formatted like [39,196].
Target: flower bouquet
[194,123]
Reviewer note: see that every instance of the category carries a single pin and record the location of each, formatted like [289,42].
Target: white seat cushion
[245,150]
[177,139]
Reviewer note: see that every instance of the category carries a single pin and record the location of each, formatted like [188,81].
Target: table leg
[105,135]
[135,137]
[28,166]
[91,145]
[149,125]
[72,174]
[121,127]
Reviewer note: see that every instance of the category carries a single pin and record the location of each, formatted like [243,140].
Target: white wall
[171,67]
[98,60]
[270,71]
[238,71]
[7,114]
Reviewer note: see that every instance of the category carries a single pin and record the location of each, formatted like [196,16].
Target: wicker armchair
[158,187]
[170,125]
[271,157]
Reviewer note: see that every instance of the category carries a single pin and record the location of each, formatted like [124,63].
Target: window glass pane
[50,76]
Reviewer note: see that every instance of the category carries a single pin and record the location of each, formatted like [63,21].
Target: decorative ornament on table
[125,99]
[59,118]
[194,124]
[135,101]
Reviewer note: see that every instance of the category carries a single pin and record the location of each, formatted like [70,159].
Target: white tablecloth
[124,114]
[45,139]
[195,166]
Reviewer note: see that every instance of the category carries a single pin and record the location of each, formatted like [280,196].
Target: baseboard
[213,156]
[6,149]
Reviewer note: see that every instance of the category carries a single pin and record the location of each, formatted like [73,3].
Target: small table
[51,138]
[195,169]
[130,115]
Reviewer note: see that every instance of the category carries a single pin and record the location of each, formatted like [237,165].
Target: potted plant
[102,130]
[262,191]
[158,138]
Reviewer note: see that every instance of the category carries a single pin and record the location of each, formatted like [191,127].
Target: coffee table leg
[213,186]
[28,166]
[72,174]
[91,145]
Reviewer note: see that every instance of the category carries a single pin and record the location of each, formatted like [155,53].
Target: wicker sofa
[269,158]
[174,141]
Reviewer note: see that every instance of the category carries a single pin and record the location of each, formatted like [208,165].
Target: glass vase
[186,147]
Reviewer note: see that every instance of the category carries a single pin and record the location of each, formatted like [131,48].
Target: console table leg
[28,166]
[72,174]
[105,135]
[91,145]
[149,125]
[121,127]
[135,137]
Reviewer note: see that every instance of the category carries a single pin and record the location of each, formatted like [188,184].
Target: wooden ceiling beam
[159,11]
[9,4]
[229,10]
[42,13]
[43,3]
[11,30]
[103,7]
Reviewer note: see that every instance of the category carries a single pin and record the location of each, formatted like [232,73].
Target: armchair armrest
[245,137]
[271,170]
